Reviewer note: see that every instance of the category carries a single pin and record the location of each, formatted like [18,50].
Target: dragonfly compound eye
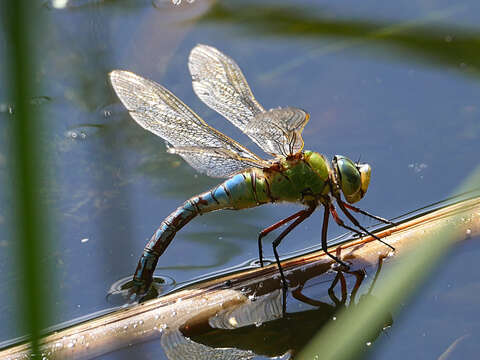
[365,172]
[350,179]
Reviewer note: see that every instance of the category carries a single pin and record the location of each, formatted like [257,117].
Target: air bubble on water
[176,2]
[220,238]
[468,233]
[162,328]
[335,265]
[174,313]
[83,241]
[369,343]
[252,297]
[107,113]
[417,167]
[83,135]
[334,318]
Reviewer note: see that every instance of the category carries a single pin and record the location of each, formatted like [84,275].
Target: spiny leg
[304,214]
[326,215]
[340,222]
[353,208]
[377,273]
[357,224]
[343,288]
[275,226]
[359,277]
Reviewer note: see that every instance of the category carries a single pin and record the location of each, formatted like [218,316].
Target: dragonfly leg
[355,222]
[340,222]
[326,215]
[269,229]
[377,273]
[343,289]
[353,208]
[304,214]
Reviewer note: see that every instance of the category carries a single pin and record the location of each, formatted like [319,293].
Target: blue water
[410,110]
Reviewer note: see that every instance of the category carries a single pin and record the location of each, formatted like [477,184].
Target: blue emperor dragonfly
[291,175]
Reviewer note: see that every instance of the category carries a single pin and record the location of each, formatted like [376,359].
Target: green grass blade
[22,22]
[346,337]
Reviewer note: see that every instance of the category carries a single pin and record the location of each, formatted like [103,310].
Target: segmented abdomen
[235,193]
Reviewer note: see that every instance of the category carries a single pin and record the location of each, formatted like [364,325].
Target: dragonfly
[292,175]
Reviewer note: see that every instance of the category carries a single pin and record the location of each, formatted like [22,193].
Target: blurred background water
[394,84]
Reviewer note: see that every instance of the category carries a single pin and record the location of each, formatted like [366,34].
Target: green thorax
[303,177]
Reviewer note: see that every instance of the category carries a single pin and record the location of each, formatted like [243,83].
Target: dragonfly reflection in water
[292,175]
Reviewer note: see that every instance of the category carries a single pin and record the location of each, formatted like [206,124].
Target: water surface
[395,85]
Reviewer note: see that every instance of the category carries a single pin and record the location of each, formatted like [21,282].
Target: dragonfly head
[352,178]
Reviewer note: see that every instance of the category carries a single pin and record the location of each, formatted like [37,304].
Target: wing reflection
[259,327]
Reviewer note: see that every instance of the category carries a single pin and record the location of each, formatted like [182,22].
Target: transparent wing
[157,110]
[280,130]
[215,161]
[219,83]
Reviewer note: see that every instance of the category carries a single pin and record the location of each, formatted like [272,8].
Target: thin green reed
[27,158]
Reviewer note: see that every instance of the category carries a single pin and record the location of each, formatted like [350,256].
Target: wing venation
[159,111]
[219,82]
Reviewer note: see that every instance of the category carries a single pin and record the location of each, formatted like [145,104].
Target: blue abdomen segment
[235,193]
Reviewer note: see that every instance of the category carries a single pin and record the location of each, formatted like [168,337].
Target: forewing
[159,111]
[219,83]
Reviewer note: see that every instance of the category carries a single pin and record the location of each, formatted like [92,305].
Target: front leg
[355,222]
[353,208]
